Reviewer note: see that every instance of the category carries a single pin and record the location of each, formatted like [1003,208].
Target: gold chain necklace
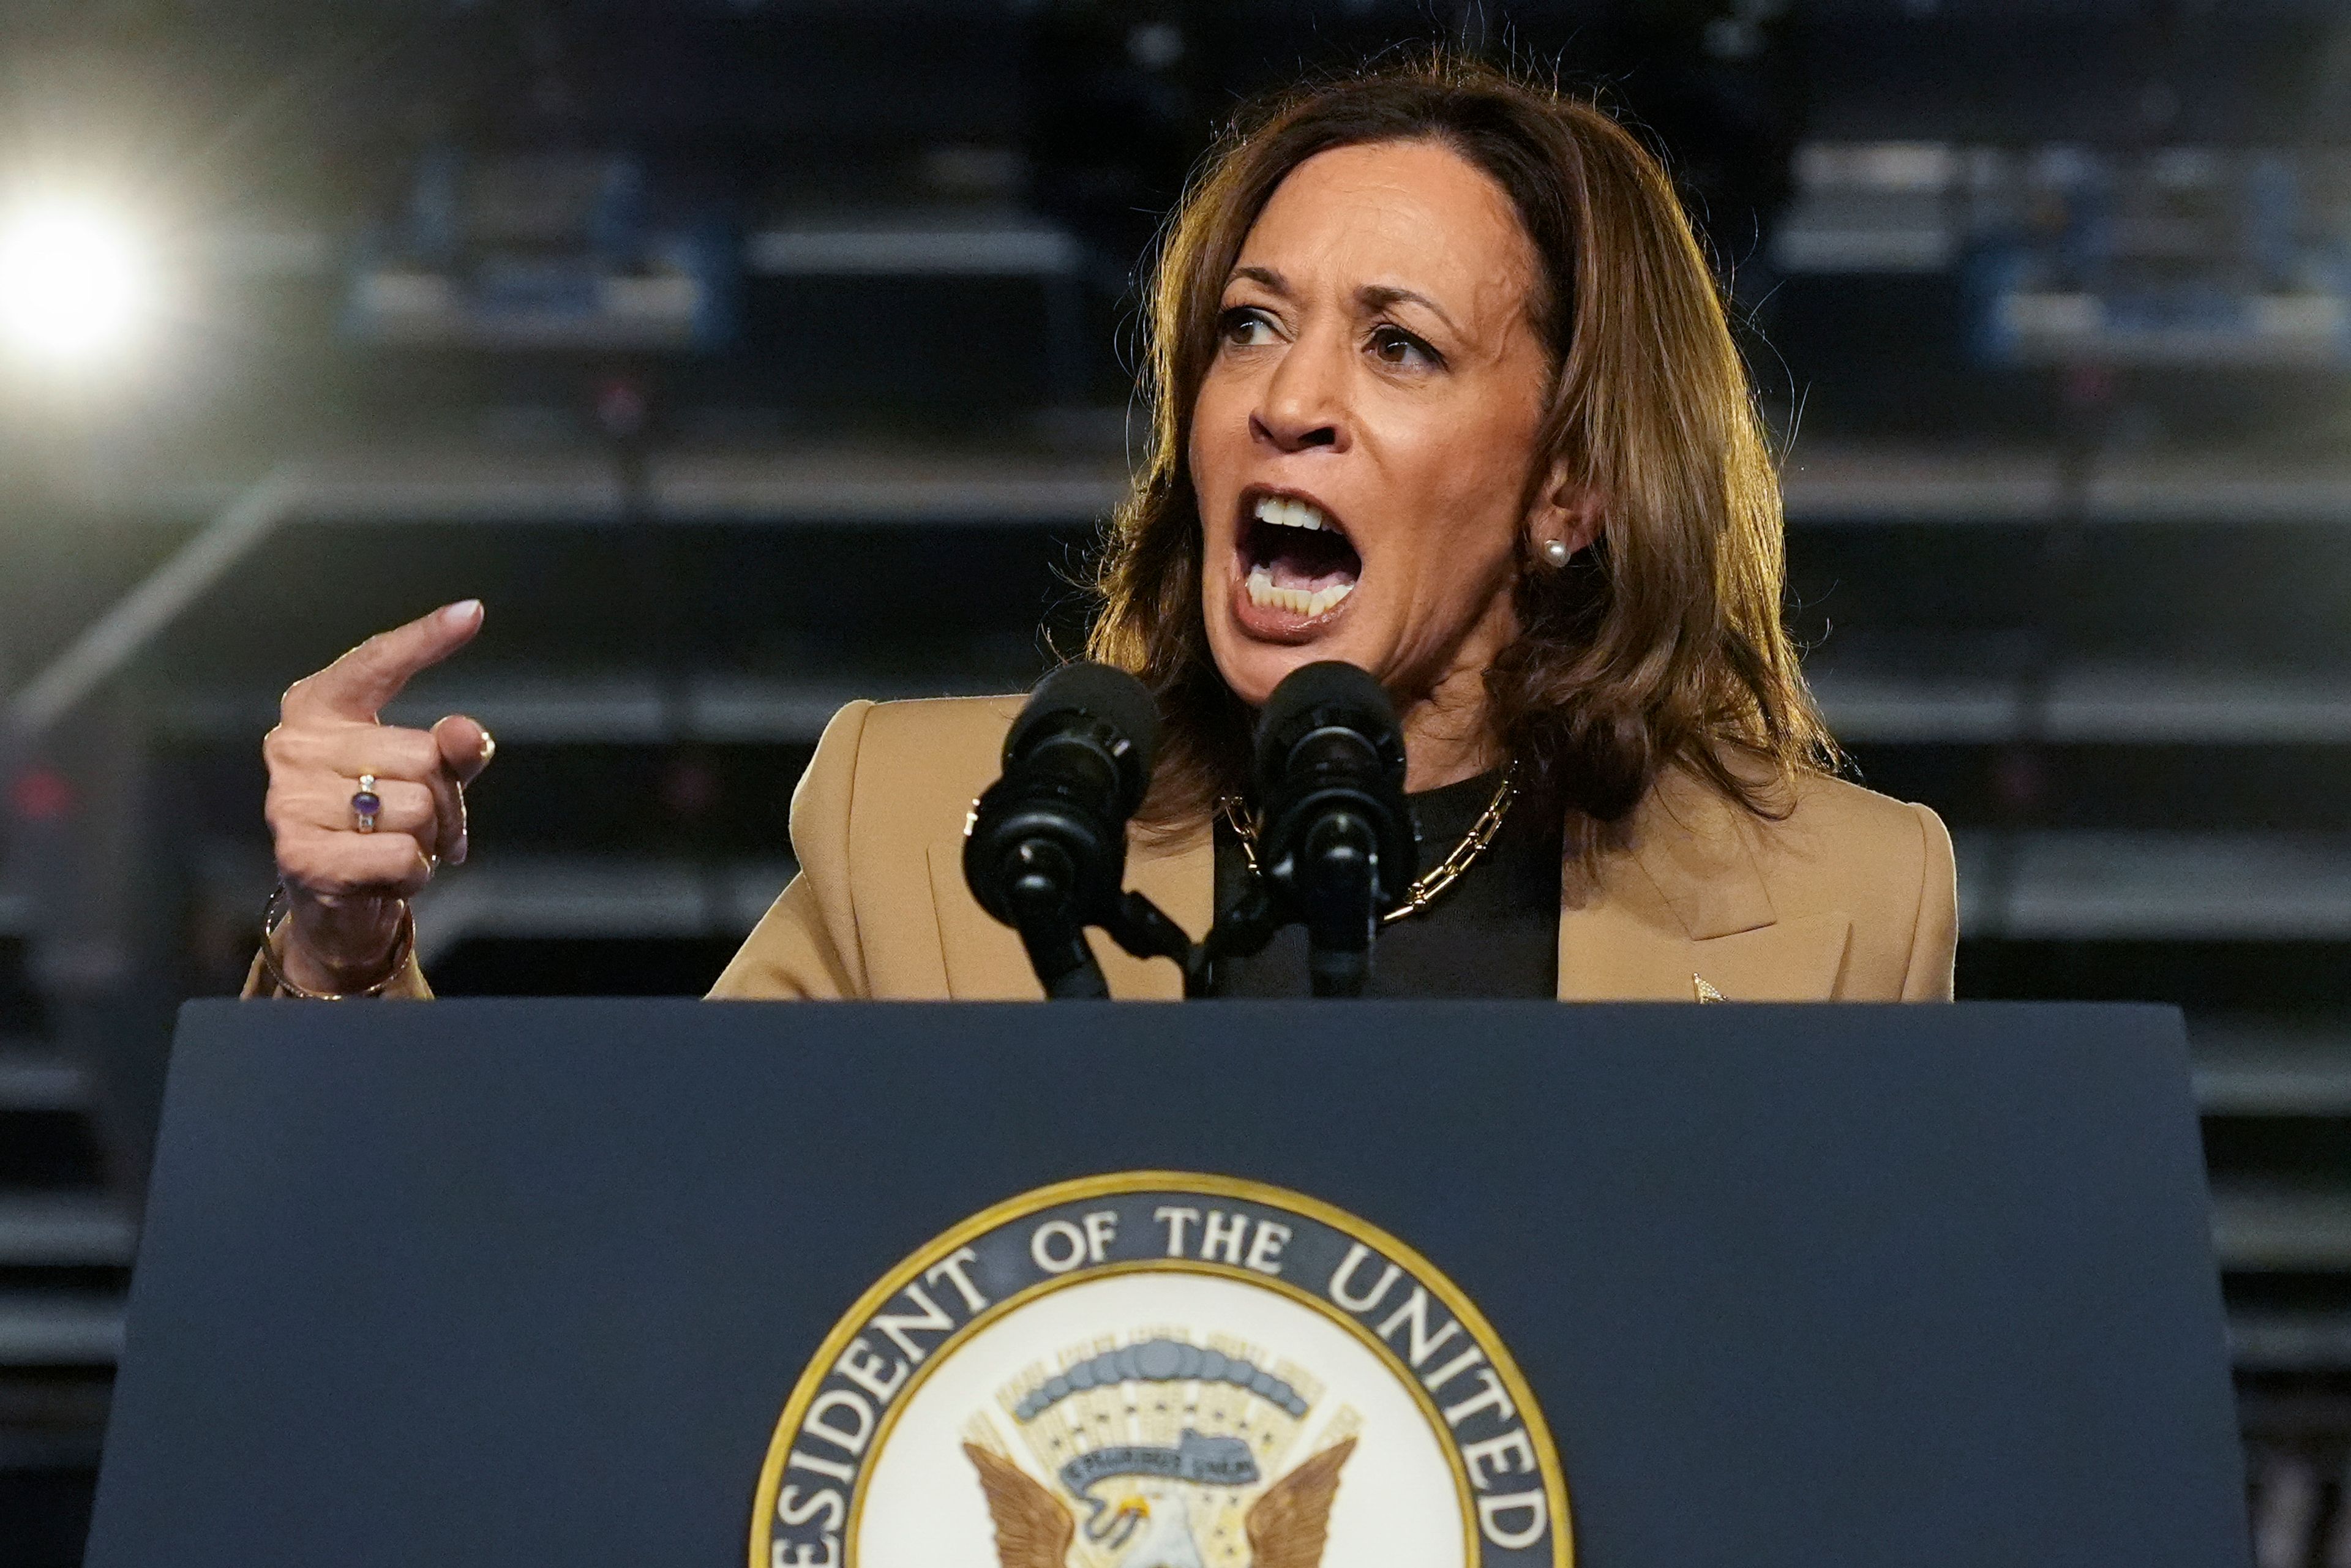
[1430,885]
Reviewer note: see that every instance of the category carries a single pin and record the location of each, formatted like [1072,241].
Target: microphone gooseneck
[1045,851]
[1336,846]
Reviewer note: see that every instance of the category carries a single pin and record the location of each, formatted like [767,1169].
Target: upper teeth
[1284,512]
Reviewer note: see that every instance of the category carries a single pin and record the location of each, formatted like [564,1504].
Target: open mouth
[1295,559]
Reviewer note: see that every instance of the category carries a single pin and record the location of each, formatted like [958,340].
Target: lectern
[1121,1286]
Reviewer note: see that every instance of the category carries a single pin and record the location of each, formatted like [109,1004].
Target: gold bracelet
[274,917]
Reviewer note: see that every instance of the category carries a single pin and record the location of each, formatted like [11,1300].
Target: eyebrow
[1377,297]
[1380,297]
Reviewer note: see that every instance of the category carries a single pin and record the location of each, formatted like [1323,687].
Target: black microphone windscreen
[1320,694]
[1101,692]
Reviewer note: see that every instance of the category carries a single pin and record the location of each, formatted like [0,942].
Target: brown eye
[1396,347]
[1244,328]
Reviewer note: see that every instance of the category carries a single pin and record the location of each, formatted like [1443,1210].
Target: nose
[1303,401]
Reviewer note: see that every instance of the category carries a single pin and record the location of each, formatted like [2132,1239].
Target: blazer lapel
[985,961]
[1683,908]
[1791,961]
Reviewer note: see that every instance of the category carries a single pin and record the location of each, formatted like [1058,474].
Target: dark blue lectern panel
[528,1282]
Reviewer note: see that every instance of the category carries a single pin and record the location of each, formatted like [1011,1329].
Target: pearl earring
[1556,553]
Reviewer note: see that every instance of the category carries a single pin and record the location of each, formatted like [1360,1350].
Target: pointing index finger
[359,684]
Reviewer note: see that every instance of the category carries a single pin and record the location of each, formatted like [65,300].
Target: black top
[1495,932]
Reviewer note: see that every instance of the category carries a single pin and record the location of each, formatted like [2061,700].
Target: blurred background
[750,355]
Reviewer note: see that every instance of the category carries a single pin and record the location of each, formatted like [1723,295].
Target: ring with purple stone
[365,804]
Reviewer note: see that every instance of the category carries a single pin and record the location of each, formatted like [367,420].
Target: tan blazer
[1850,898]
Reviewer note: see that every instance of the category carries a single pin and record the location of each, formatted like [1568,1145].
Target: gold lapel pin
[1704,992]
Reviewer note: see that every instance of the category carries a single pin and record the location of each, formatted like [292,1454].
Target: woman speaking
[1443,389]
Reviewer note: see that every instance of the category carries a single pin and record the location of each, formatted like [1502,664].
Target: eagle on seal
[1286,1526]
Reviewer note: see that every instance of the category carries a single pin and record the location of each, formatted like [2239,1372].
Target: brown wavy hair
[1660,646]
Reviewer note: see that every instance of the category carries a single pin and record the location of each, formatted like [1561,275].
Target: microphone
[1337,846]
[1045,849]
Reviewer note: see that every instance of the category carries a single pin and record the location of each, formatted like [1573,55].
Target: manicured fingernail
[458,852]
[462,611]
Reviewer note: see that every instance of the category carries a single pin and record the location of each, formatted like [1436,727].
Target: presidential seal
[1152,1370]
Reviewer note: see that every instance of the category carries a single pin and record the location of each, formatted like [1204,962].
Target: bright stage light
[75,281]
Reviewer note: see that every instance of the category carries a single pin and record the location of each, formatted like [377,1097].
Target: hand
[344,887]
